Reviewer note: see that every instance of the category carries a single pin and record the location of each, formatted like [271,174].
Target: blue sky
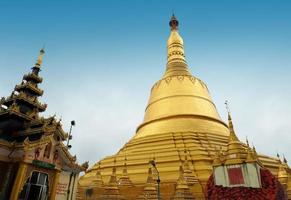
[102,57]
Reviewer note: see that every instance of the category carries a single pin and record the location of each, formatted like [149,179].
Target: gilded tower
[182,131]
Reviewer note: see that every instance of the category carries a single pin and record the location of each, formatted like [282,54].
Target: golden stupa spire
[150,184]
[39,58]
[98,182]
[124,179]
[176,62]
[232,135]
[283,172]
[182,188]
[247,142]
[113,179]
[235,152]
[111,190]
[150,190]
[188,173]
[124,171]
[284,159]
[251,155]
[181,183]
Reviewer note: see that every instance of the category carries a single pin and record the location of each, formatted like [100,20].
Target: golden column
[18,181]
[54,186]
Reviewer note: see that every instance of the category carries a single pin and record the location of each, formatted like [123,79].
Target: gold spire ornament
[124,179]
[98,182]
[150,190]
[182,191]
[111,190]
[188,173]
[232,136]
[247,142]
[39,58]
[176,64]
[284,159]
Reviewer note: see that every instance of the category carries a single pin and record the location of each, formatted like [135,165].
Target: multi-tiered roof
[23,127]
[20,112]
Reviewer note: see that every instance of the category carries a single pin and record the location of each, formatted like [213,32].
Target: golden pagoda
[180,117]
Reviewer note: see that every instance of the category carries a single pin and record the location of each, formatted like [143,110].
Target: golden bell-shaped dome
[180,101]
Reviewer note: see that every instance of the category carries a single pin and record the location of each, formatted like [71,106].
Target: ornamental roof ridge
[168,79]
[72,159]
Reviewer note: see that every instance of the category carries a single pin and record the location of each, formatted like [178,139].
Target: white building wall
[64,184]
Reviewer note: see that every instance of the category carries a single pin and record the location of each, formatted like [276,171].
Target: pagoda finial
[124,179]
[150,178]
[232,136]
[247,141]
[113,180]
[125,165]
[98,182]
[254,150]
[181,183]
[174,23]
[39,58]
[227,107]
[176,61]
[284,159]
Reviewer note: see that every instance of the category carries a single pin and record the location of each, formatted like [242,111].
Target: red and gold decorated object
[235,176]
[238,174]
[238,165]
[271,190]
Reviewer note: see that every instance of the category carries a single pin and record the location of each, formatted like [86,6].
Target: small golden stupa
[181,125]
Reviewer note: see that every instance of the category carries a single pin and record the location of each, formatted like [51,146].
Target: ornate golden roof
[236,152]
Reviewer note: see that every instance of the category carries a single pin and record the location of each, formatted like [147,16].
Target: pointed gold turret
[176,64]
[236,153]
[232,135]
[98,182]
[181,183]
[251,155]
[150,190]
[124,180]
[113,179]
[182,190]
[188,173]
[111,190]
[39,58]
[283,172]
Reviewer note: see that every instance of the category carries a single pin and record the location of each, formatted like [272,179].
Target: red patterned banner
[235,176]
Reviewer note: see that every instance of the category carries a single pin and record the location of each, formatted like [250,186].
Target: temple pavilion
[34,162]
[183,149]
